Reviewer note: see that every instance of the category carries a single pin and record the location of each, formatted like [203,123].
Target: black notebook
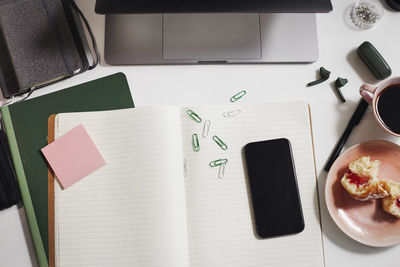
[41,42]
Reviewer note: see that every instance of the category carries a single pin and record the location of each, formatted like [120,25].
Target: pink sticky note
[73,156]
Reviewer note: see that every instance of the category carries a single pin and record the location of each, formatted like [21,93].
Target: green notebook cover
[26,129]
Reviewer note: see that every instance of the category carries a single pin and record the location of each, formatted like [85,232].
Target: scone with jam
[391,203]
[361,180]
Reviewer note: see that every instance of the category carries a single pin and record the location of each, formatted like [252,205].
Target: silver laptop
[210,31]
[210,38]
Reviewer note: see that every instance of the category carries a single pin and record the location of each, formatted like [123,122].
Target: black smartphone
[273,187]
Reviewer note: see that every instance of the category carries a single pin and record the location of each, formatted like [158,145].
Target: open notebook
[144,208]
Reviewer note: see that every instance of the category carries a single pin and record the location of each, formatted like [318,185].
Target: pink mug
[385,102]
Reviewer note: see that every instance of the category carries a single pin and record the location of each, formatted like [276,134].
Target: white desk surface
[214,84]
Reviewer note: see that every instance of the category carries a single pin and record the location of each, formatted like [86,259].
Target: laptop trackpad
[211,36]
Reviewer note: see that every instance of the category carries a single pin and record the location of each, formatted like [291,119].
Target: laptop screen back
[208,6]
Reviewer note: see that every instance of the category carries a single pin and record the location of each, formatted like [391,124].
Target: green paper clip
[195,143]
[238,96]
[193,115]
[220,142]
[218,162]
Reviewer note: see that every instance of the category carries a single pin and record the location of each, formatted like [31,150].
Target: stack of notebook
[26,128]
[156,202]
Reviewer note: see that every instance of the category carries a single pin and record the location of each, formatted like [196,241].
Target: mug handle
[367,92]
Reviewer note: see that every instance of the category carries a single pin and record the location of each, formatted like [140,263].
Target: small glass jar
[365,14]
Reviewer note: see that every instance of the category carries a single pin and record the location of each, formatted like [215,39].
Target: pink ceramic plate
[364,221]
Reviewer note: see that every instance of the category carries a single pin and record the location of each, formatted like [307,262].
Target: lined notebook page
[132,211]
[219,219]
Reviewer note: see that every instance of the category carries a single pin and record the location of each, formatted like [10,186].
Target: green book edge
[23,185]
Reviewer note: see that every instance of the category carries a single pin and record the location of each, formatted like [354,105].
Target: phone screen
[273,187]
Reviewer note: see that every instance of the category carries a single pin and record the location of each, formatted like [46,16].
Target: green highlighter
[374,61]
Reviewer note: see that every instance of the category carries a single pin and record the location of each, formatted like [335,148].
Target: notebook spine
[23,185]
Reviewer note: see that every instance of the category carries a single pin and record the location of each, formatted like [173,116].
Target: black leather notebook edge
[69,13]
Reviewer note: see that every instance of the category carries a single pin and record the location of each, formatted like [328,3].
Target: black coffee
[389,107]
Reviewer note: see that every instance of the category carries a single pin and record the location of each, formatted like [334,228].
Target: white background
[215,84]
